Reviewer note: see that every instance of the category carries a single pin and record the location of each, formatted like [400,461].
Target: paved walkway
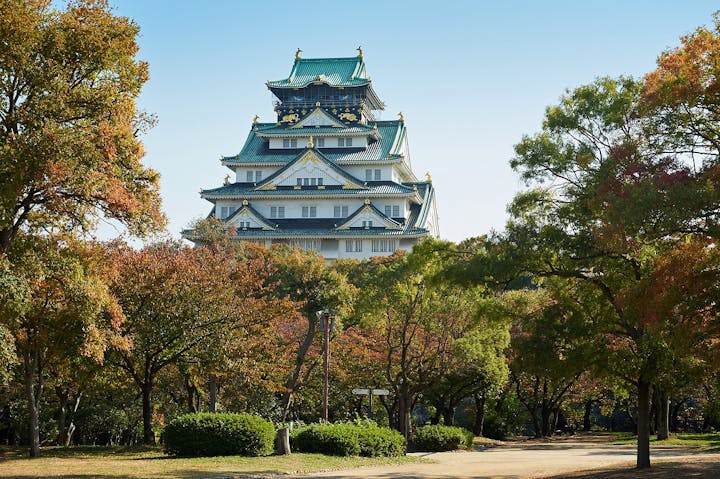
[517,460]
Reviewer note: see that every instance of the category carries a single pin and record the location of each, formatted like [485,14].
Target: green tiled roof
[242,190]
[279,131]
[346,72]
[387,147]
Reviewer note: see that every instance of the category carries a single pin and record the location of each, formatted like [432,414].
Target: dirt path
[522,460]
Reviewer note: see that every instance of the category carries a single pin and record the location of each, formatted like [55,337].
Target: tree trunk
[292,382]
[676,406]
[71,426]
[479,414]
[546,422]
[643,425]
[212,393]
[33,393]
[662,409]
[63,396]
[587,415]
[148,434]
[282,442]
[191,390]
[404,410]
[449,414]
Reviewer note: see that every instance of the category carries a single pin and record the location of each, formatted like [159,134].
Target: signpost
[371,393]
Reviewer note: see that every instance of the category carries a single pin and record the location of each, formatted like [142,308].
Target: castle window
[277,212]
[340,211]
[341,141]
[368,175]
[396,211]
[321,142]
[388,210]
[378,175]
[315,244]
[367,224]
[244,224]
[309,211]
[249,176]
[309,181]
[258,176]
[289,143]
[384,246]
[353,246]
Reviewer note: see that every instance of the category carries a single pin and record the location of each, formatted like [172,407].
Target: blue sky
[471,77]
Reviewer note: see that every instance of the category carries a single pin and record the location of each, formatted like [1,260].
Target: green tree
[57,307]
[553,343]
[598,213]
[418,316]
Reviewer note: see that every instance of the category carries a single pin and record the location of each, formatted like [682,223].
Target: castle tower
[326,175]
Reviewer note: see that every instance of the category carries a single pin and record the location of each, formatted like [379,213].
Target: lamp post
[325,325]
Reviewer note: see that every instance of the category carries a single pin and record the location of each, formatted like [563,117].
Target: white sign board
[380,392]
[361,391]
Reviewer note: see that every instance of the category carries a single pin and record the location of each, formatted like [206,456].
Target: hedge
[210,434]
[441,438]
[347,439]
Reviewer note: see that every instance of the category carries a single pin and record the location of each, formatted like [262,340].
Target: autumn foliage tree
[69,155]
[68,121]
[179,302]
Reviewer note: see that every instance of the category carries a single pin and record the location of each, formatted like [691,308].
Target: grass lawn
[86,462]
[704,441]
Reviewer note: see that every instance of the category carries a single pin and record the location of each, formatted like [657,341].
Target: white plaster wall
[386,172]
[241,173]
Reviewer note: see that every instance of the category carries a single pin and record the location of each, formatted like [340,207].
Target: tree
[477,367]
[606,206]
[68,121]
[303,277]
[418,320]
[179,301]
[57,306]
[553,343]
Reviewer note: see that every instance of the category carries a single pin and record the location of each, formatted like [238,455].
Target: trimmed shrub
[378,441]
[210,434]
[346,439]
[441,438]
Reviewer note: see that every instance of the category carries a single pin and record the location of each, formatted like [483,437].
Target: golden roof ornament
[227,180]
[310,143]
[297,54]
[428,178]
[245,202]
[401,117]
[360,52]
[317,103]
[255,120]
[367,201]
